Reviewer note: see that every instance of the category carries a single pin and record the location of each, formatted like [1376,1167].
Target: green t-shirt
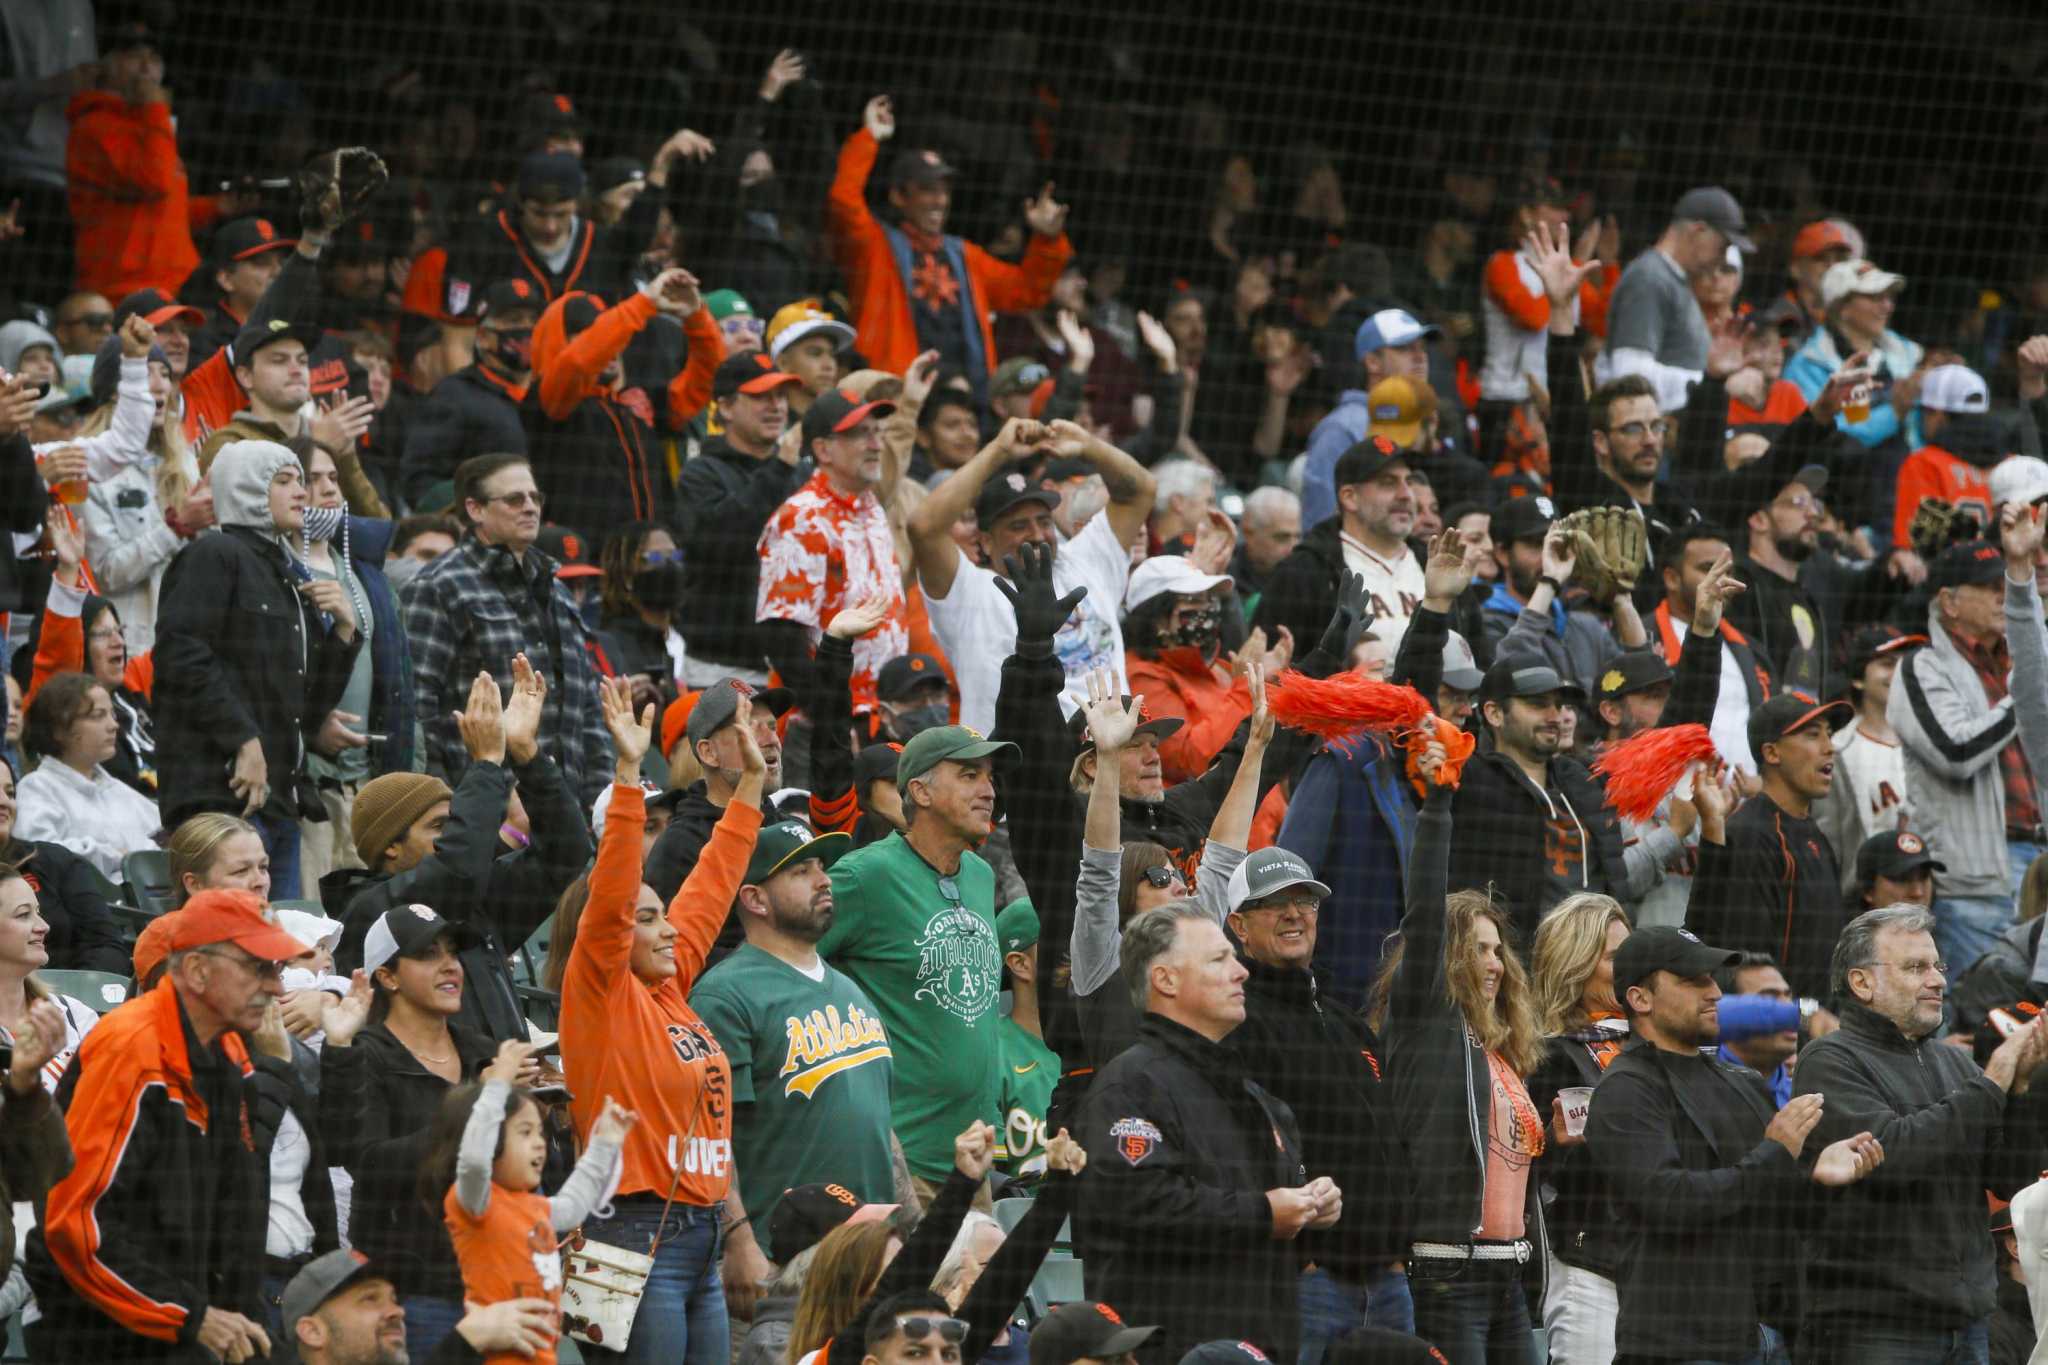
[1030,1069]
[924,949]
[810,1076]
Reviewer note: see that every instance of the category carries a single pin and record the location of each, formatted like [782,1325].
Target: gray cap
[1266,871]
[721,701]
[1461,670]
[1714,206]
[321,1279]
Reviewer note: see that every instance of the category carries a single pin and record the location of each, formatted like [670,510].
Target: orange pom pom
[1458,747]
[1344,706]
[1641,772]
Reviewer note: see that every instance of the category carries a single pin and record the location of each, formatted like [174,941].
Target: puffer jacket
[1814,363]
[1952,740]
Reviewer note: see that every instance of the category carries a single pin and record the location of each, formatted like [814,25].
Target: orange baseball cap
[1818,236]
[153,945]
[674,719]
[236,917]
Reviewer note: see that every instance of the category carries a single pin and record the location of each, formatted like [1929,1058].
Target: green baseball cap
[726,303]
[1017,927]
[933,747]
[791,841]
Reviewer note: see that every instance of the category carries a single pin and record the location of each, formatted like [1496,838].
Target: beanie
[387,806]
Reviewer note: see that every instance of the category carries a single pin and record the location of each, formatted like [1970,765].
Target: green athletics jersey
[923,947]
[810,1076]
[1029,1070]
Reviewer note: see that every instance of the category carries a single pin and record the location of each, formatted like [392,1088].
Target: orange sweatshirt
[129,200]
[644,1045]
[1179,683]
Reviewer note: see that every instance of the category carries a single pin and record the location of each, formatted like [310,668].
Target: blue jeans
[1388,1303]
[1474,1312]
[1875,1343]
[427,1322]
[281,843]
[1332,1307]
[2019,856]
[1966,927]
[682,1319]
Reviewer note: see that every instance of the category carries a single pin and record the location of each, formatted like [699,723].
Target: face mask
[763,196]
[514,349]
[324,523]
[909,724]
[1202,629]
[659,588]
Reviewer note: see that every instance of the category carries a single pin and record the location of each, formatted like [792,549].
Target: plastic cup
[1578,1100]
[69,492]
[1857,410]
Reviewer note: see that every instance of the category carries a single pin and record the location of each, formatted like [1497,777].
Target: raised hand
[753,763]
[1158,341]
[1549,251]
[1045,215]
[974,1150]
[1351,619]
[919,378]
[343,1018]
[851,623]
[511,1056]
[879,118]
[1027,584]
[1448,571]
[137,336]
[1854,374]
[2020,529]
[1079,341]
[482,724]
[523,711]
[341,420]
[614,1122]
[1111,721]
[1560,557]
[68,544]
[630,735]
[18,398]
[1215,542]
[1261,733]
[1716,591]
[786,70]
[1728,347]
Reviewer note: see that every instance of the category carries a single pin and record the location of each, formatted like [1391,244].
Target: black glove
[1039,614]
[1350,621]
[337,183]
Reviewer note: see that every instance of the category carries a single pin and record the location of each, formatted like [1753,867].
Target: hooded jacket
[471,412]
[724,500]
[1574,643]
[1502,832]
[240,653]
[1952,738]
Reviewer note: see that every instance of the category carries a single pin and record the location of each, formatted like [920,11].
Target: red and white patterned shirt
[823,551]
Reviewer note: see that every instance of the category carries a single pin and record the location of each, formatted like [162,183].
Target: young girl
[504,1233]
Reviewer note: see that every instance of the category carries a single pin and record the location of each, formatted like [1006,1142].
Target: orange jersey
[507,1253]
[1931,472]
[645,1046]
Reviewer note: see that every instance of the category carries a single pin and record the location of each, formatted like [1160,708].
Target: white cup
[1578,1099]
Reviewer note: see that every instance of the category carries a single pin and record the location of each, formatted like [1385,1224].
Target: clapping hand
[1848,1161]
[523,711]
[1064,1154]
[35,1043]
[482,723]
[342,1018]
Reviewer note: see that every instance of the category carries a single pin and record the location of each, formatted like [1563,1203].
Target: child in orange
[504,1233]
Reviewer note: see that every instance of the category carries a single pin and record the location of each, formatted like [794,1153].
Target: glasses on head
[265,971]
[951,1330]
[1637,431]
[1917,968]
[1163,876]
[525,497]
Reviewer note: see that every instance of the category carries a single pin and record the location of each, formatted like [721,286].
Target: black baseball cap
[1084,1330]
[919,166]
[876,763]
[550,112]
[791,841]
[1005,490]
[840,410]
[157,308]
[1874,642]
[550,176]
[614,171]
[1161,726]
[127,34]
[1974,562]
[1366,459]
[721,701]
[570,549]
[254,336]
[1785,713]
[507,296]
[749,372]
[246,237]
[802,1217]
[1509,679]
[1522,519]
[1633,671]
[906,673]
[408,931]
[1661,948]
[1893,853]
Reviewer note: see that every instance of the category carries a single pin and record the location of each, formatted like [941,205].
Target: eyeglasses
[263,971]
[1636,431]
[523,498]
[661,557]
[1306,906]
[1915,969]
[1163,876]
[103,636]
[951,1330]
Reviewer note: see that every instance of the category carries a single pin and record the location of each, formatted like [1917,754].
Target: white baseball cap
[2019,478]
[307,927]
[1856,277]
[1168,573]
[1954,388]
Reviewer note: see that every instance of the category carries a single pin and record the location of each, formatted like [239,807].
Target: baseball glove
[334,185]
[1936,525]
[1611,549]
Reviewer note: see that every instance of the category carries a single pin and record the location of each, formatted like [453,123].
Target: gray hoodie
[240,479]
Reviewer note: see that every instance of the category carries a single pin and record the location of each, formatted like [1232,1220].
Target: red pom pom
[1641,772]
[1344,706]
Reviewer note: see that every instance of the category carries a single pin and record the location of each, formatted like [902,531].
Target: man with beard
[1368,536]
[1777,614]
[811,1066]
[713,733]
[1525,616]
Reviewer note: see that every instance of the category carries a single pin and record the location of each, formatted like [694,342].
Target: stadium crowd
[667,750]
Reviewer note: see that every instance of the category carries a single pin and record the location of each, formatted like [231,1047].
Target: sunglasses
[951,1330]
[1162,876]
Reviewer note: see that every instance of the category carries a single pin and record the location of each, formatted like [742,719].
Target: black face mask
[763,196]
[907,725]
[659,588]
[514,349]
[1203,630]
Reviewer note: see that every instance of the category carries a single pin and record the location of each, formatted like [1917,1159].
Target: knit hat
[387,806]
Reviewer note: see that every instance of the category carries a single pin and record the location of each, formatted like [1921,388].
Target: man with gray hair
[1949,1132]
[1270,530]
[1184,502]
[1194,1188]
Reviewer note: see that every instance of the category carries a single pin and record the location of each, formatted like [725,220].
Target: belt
[1477,1251]
[284,1267]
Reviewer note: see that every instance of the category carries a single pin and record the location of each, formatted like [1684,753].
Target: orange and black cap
[1786,713]
[506,296]
[248,237]
[156,308]
[748,372]
[570,550]
[839,411]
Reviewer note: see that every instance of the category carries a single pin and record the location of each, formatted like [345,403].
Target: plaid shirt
[472,610]
[1993,662]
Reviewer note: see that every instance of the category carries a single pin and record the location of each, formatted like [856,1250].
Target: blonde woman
[1462,1023]
[1584,1027]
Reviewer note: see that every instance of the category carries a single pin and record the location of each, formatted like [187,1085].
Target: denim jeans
[1330,1307]
[1770,1352]
[1579,1309]
[2019,856]
[281,843]
[1474,1312]
[1388,1303]
[1965,928]
[682,1319]
[427,1322]
[1875,1343]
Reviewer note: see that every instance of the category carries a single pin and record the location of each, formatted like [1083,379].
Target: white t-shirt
[978,630]
[1730,728]
[1393,589]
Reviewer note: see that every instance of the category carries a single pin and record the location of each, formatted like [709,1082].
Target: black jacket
[723,500]
[1770,614]
[489,248]
[1173,1225]
[24,502]
[1442,1083]
[470,879]
[1302,590]
[602,465]
[274,1091]
[239,655]
[471,412]
[1774,888]
[376,1105]
[83,935]
[1321,1059]
[2000,980]
[1906,1244]
[1504,823]
[1705,1216]
[689,829]
[1585,1231]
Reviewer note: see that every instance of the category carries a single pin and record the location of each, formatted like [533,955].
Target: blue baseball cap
[1391,327]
